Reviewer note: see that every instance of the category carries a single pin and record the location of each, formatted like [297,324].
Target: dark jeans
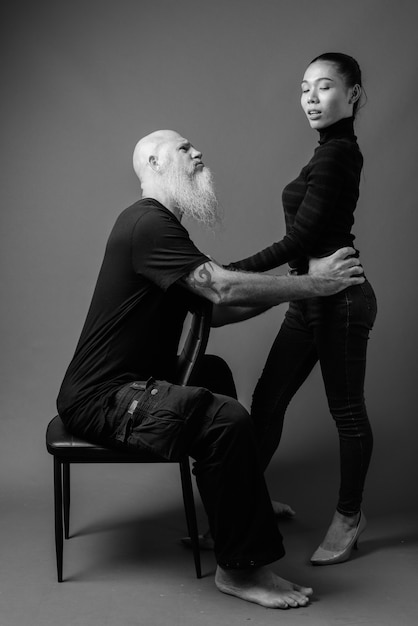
[335,331]
[218,433]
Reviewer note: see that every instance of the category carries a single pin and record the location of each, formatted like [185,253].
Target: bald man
[117,388]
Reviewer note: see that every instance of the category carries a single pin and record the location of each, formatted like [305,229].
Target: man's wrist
[320,285]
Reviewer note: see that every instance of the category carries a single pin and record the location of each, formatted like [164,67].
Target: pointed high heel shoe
[329,557]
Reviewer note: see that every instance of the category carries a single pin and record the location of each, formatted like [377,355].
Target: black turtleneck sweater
[318,205]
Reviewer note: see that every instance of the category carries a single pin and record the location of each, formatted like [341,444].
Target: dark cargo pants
[218,433]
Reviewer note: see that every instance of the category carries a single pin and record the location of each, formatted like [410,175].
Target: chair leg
[66,489]
[190,510]
[58,516]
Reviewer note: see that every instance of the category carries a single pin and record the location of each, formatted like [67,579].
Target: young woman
[319,206]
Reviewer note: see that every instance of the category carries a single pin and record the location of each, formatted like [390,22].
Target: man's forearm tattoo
[202,278]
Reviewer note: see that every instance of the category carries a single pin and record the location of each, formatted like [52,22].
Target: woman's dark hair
[347,67]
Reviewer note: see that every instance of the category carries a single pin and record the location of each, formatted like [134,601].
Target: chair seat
[67,447]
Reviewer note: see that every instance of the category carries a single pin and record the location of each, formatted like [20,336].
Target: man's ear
[153,163]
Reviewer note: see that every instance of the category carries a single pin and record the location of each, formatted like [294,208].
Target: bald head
[171,171]
[150,151]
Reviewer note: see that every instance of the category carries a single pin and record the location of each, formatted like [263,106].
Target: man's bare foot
[341,532]
[205,541]
[282,510]
[262,586]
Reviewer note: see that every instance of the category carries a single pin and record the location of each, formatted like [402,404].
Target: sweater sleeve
[324,180]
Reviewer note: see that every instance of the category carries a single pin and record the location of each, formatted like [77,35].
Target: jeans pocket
[371,302]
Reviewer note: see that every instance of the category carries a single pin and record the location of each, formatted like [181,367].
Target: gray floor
[124,565]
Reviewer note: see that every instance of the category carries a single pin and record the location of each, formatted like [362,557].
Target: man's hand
[340,270]
[247,289]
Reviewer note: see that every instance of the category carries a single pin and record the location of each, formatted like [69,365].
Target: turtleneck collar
[342,128]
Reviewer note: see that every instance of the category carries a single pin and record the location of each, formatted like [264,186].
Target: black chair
[67,449]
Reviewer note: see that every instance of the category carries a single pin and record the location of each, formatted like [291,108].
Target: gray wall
[82,81]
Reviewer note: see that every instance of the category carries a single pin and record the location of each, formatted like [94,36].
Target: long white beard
[193,194]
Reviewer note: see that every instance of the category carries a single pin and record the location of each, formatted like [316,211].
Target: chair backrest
[195,342]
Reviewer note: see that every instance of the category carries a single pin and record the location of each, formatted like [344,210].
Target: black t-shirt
[136,315]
